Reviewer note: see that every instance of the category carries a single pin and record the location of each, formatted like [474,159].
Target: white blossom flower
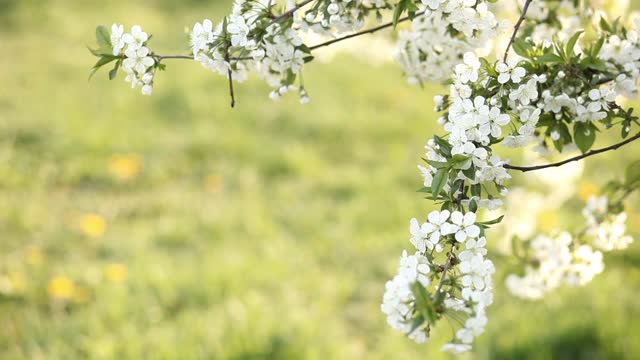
[464,225]
[136,38]
[238,29]
[201,36]
[468,70]
[117,41]
[421,239]
[138,60]
[510,71]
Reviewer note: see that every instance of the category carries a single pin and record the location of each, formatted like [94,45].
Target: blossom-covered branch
[557,92]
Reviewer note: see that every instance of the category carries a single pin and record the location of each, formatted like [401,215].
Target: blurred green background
[172,227]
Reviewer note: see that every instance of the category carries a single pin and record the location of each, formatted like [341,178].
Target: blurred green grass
[263,232]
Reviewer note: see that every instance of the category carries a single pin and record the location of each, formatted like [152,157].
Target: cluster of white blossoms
[556,261]
[237,45]
[469,297]
[514,102]
[559,19]
[564,260]
[437,39]
[340,16]
[605,229]
[399,299]
[138,63]
[556,91]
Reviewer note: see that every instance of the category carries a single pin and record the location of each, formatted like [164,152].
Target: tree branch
[444,271]
[230,75]
[363,32]
[516,28]
[575,158]
[162,57]
[291,11]
[314,47]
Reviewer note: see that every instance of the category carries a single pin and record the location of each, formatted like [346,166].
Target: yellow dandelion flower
[61,287]
[116,272]
[125,167]
[586,190]
[92,225]
[33,255]
[213,183]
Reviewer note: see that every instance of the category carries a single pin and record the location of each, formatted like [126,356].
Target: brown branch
[575,158]
[290,12]
[230,75]
[516,28]
[162,57]
[444,271]
[314,47]
[363,32]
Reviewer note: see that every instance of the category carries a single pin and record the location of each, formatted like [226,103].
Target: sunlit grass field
[173,227]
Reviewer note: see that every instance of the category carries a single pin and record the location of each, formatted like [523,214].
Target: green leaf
[438,164]
[458,161]
[100,52]
[470,172]
[473,206]
[632,174]
[308,59]
[105,59]
[492,222]
[476,190]
[305,48]
[103,37]
[114,71]
[604,25]
[572,43]
[548,58]
[416,324]
[400,8]
[439,180]
[595,49]
[584,136]
[564,132]
[522,47]
[594,63]
[445,147]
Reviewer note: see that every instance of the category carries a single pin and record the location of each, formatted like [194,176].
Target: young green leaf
[439,180]
[584,136]
[632,174]
[102,36]
[572,43]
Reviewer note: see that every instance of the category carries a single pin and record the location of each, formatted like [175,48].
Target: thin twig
[525,8]
[163,57]
[444,271]
[230,75]
[274,20]
[575,158]
[291,11]
[314,47]
[363,32]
